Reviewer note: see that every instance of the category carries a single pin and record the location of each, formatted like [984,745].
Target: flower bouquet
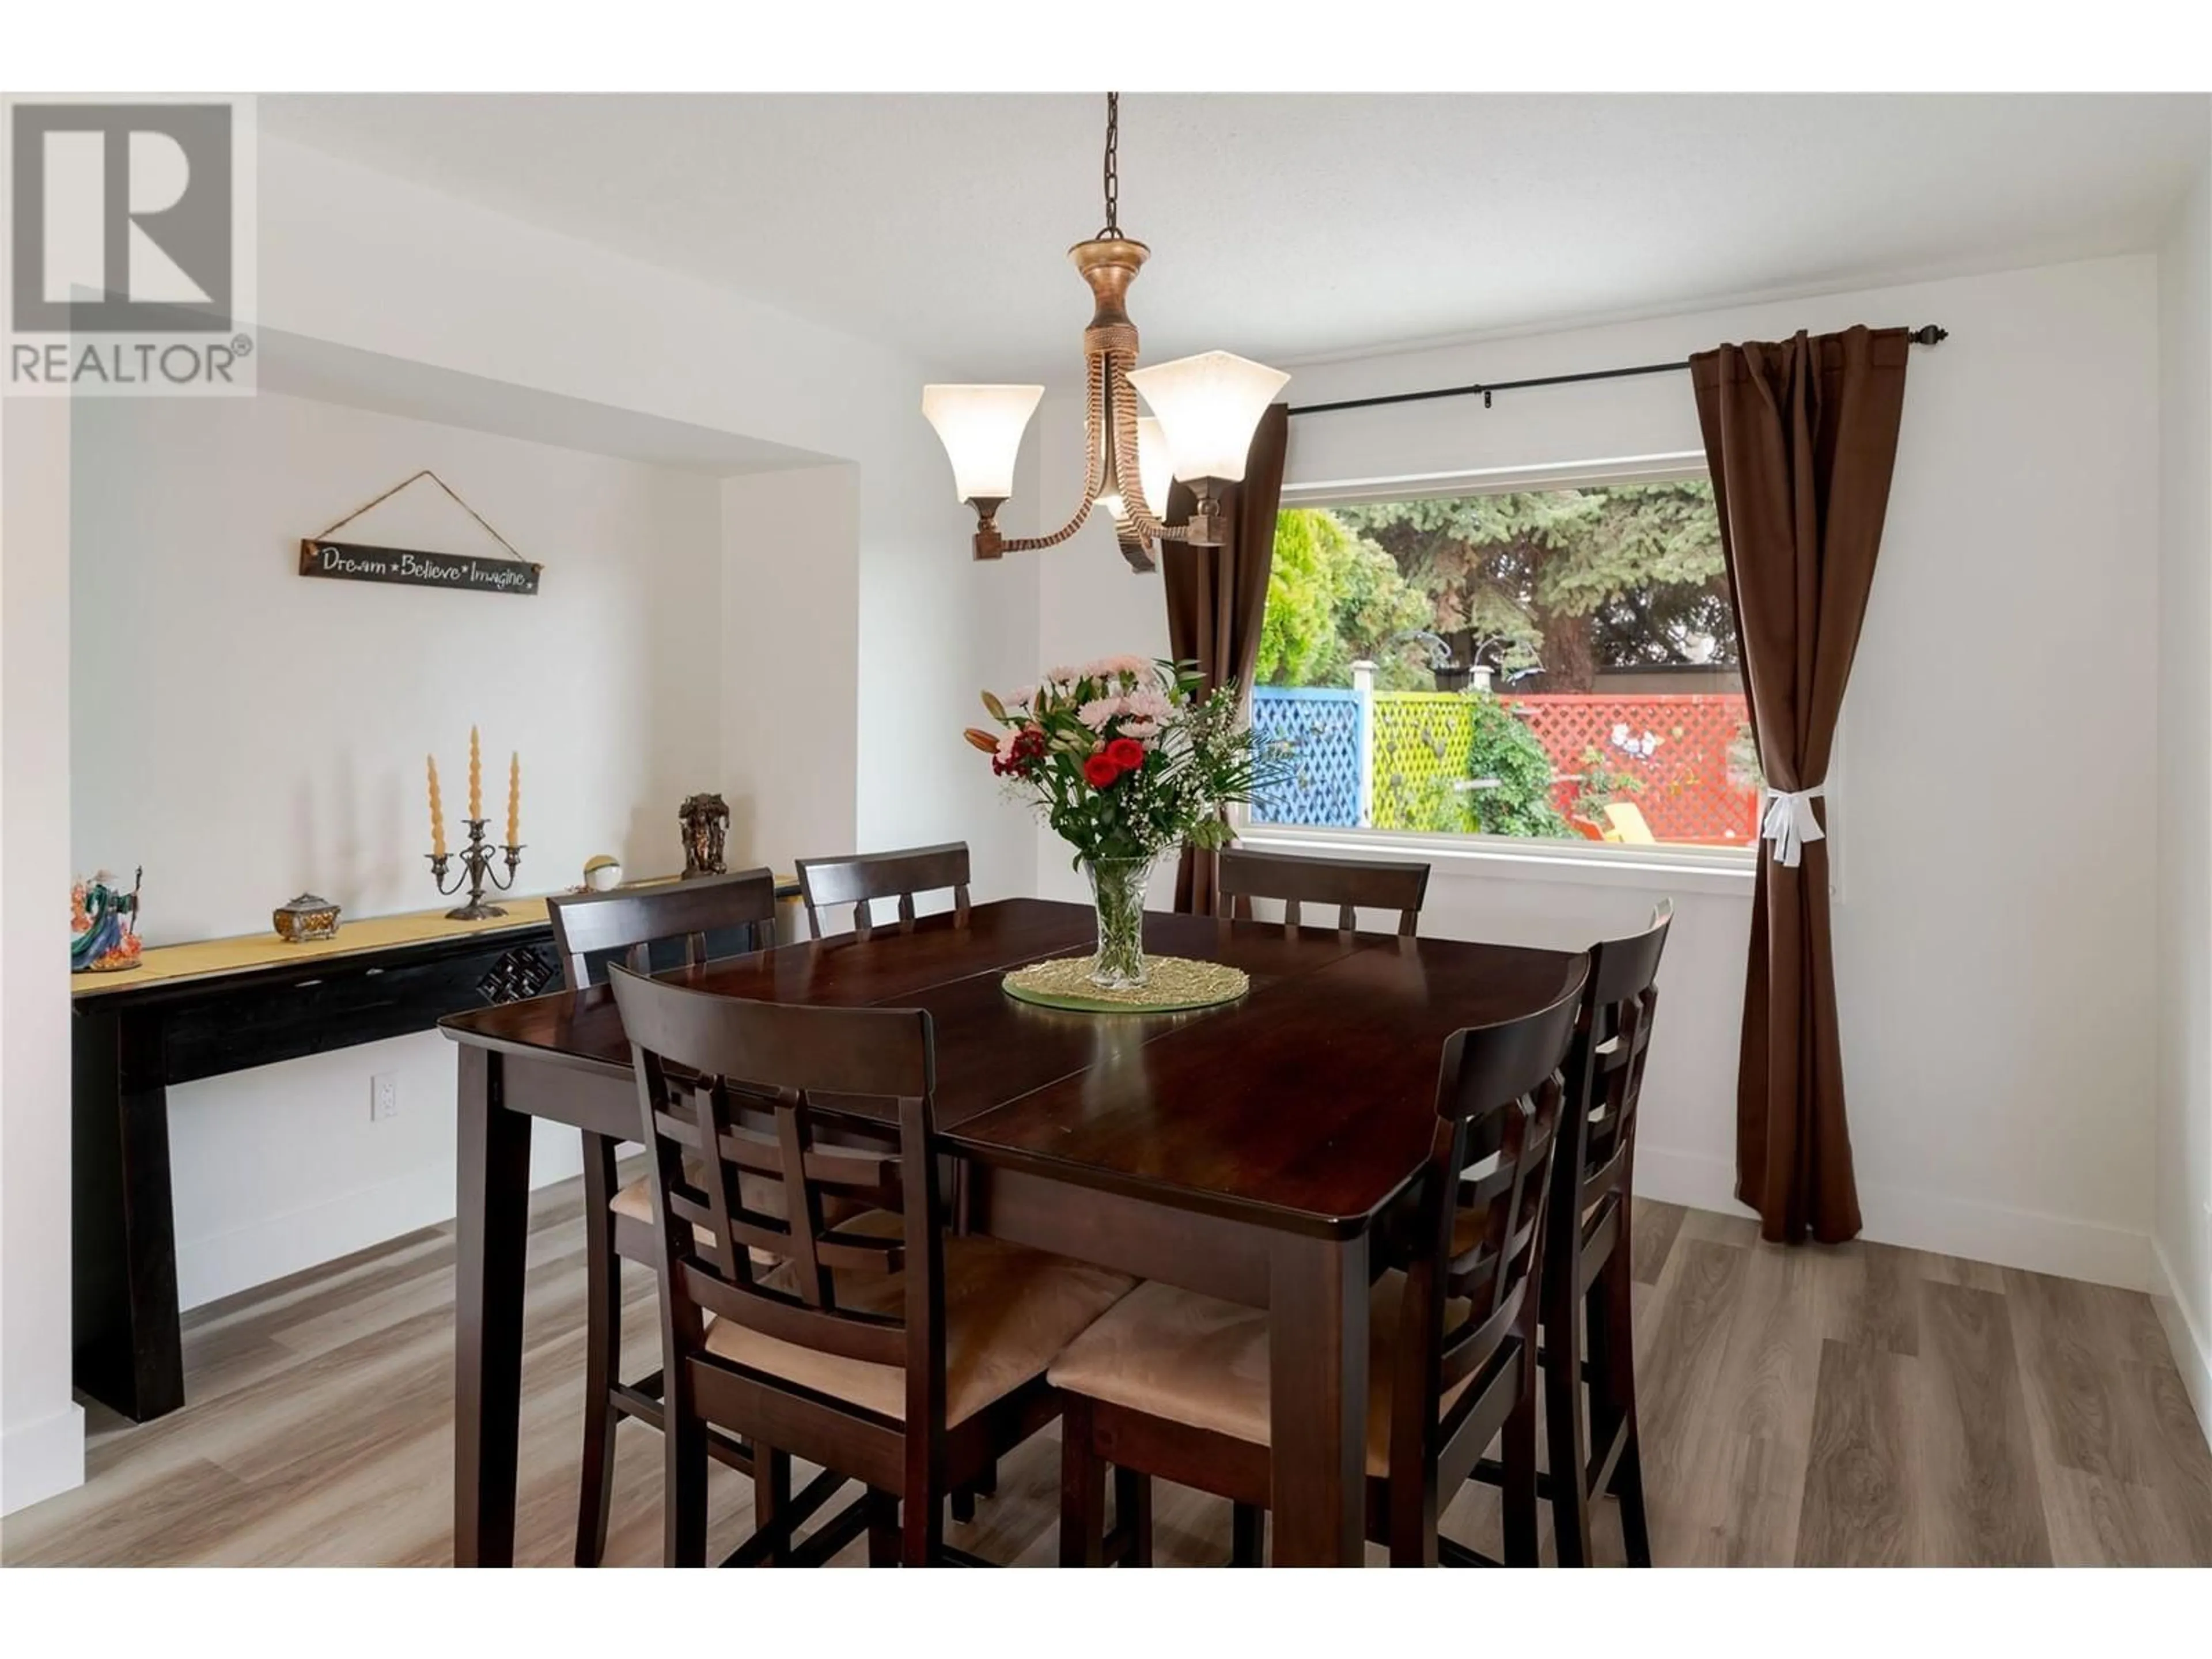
[1127,762]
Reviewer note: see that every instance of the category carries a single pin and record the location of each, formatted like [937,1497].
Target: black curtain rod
[1928,334]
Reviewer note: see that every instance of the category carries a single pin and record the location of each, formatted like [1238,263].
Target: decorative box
[306,917]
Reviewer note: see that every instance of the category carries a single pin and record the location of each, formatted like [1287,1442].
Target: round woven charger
[1175,983]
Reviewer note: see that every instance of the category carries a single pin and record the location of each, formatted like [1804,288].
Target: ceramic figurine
[705,821]
[104,925]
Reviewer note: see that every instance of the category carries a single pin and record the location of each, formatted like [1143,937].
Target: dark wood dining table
[1247,1150]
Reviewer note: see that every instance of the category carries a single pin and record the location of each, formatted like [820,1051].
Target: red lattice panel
[1688,795]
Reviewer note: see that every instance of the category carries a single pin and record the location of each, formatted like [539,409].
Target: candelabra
[475,872]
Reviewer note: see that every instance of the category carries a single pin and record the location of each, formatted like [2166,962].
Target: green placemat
[1174,983]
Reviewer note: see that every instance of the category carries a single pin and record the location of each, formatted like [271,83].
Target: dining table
[1252,1150]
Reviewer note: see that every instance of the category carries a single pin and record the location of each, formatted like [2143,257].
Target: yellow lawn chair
[1627,825]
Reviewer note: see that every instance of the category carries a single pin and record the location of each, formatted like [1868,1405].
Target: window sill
[1721,869]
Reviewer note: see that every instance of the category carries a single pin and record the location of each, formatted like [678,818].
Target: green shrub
[1505,749]
[1602,786]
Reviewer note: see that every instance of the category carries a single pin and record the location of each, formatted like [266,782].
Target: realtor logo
[126,227]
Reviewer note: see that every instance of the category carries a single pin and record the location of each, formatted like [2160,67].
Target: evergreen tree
[1334,599]
[1568,580]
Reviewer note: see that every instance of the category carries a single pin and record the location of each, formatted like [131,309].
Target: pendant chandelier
[1205,409]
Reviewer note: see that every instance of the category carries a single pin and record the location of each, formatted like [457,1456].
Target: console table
[203,1009]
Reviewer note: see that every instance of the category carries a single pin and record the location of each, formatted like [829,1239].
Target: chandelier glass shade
[981,427]
[1205,409]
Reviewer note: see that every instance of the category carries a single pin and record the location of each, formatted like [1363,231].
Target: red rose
[1126,753]
[1099,770]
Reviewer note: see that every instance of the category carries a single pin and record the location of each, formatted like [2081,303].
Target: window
[1551,663]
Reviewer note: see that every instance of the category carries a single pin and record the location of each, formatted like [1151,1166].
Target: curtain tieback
[1789,822]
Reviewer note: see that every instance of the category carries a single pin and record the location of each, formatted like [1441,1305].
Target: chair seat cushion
[1007,1312]
[1196,1360]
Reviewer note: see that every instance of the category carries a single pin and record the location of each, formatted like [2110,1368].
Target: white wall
[353,256]
[247,735]
[788,600]
[1998,756]
[246,732]
[41,1428]
[2183,1279]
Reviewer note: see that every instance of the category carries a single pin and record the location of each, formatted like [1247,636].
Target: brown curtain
[1801,435]
[1217,597]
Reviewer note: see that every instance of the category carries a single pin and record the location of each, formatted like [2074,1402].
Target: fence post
[1363,688]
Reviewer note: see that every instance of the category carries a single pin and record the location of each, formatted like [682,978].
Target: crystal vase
[1117,892]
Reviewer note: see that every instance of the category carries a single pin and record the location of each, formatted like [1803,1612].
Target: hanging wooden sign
[351,562]
[354,562]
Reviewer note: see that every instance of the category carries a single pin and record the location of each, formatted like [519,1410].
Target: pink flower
[1021,698]
[1061,675]
[1147,703]
[1099,710]
[1143,730]
[1111,667]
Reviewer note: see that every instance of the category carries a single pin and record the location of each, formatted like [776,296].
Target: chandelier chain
[1113,166]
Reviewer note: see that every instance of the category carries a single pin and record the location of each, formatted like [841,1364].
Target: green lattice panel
[1422,743]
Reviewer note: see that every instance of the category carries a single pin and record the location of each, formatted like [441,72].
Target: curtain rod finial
[1929,334]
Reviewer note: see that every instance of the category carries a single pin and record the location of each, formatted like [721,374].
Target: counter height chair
[588,927]
[1588,1346]
[882,1349]
[860,879]
[1348,884]
[1174,1384]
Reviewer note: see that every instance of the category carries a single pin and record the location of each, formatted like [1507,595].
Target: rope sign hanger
[402,484]
[351,562]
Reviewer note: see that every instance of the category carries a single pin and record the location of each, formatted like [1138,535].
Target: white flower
[1143,730]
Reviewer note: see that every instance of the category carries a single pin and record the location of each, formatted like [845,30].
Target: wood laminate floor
[1831,1407]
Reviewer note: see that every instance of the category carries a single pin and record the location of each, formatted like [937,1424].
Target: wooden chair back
[1613,1039]
[699,1059]
[1297,880]
[1475,1257]
[632,921]
[861,877]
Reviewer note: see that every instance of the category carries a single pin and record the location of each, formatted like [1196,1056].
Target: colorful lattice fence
[1668,755]
[1315,733]
[1672,757]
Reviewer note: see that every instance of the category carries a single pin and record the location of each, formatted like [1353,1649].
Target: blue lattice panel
[1315,733]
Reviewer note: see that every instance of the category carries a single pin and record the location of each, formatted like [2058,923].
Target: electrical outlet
[383,1097]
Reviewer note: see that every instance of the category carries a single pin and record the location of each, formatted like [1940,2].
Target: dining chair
[881,1348]
[860,879]
[628,922]
[1588,1345]
[1297,880]
[1174,1385]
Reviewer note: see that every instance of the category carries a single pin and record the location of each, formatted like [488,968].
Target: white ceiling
[1285,227]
